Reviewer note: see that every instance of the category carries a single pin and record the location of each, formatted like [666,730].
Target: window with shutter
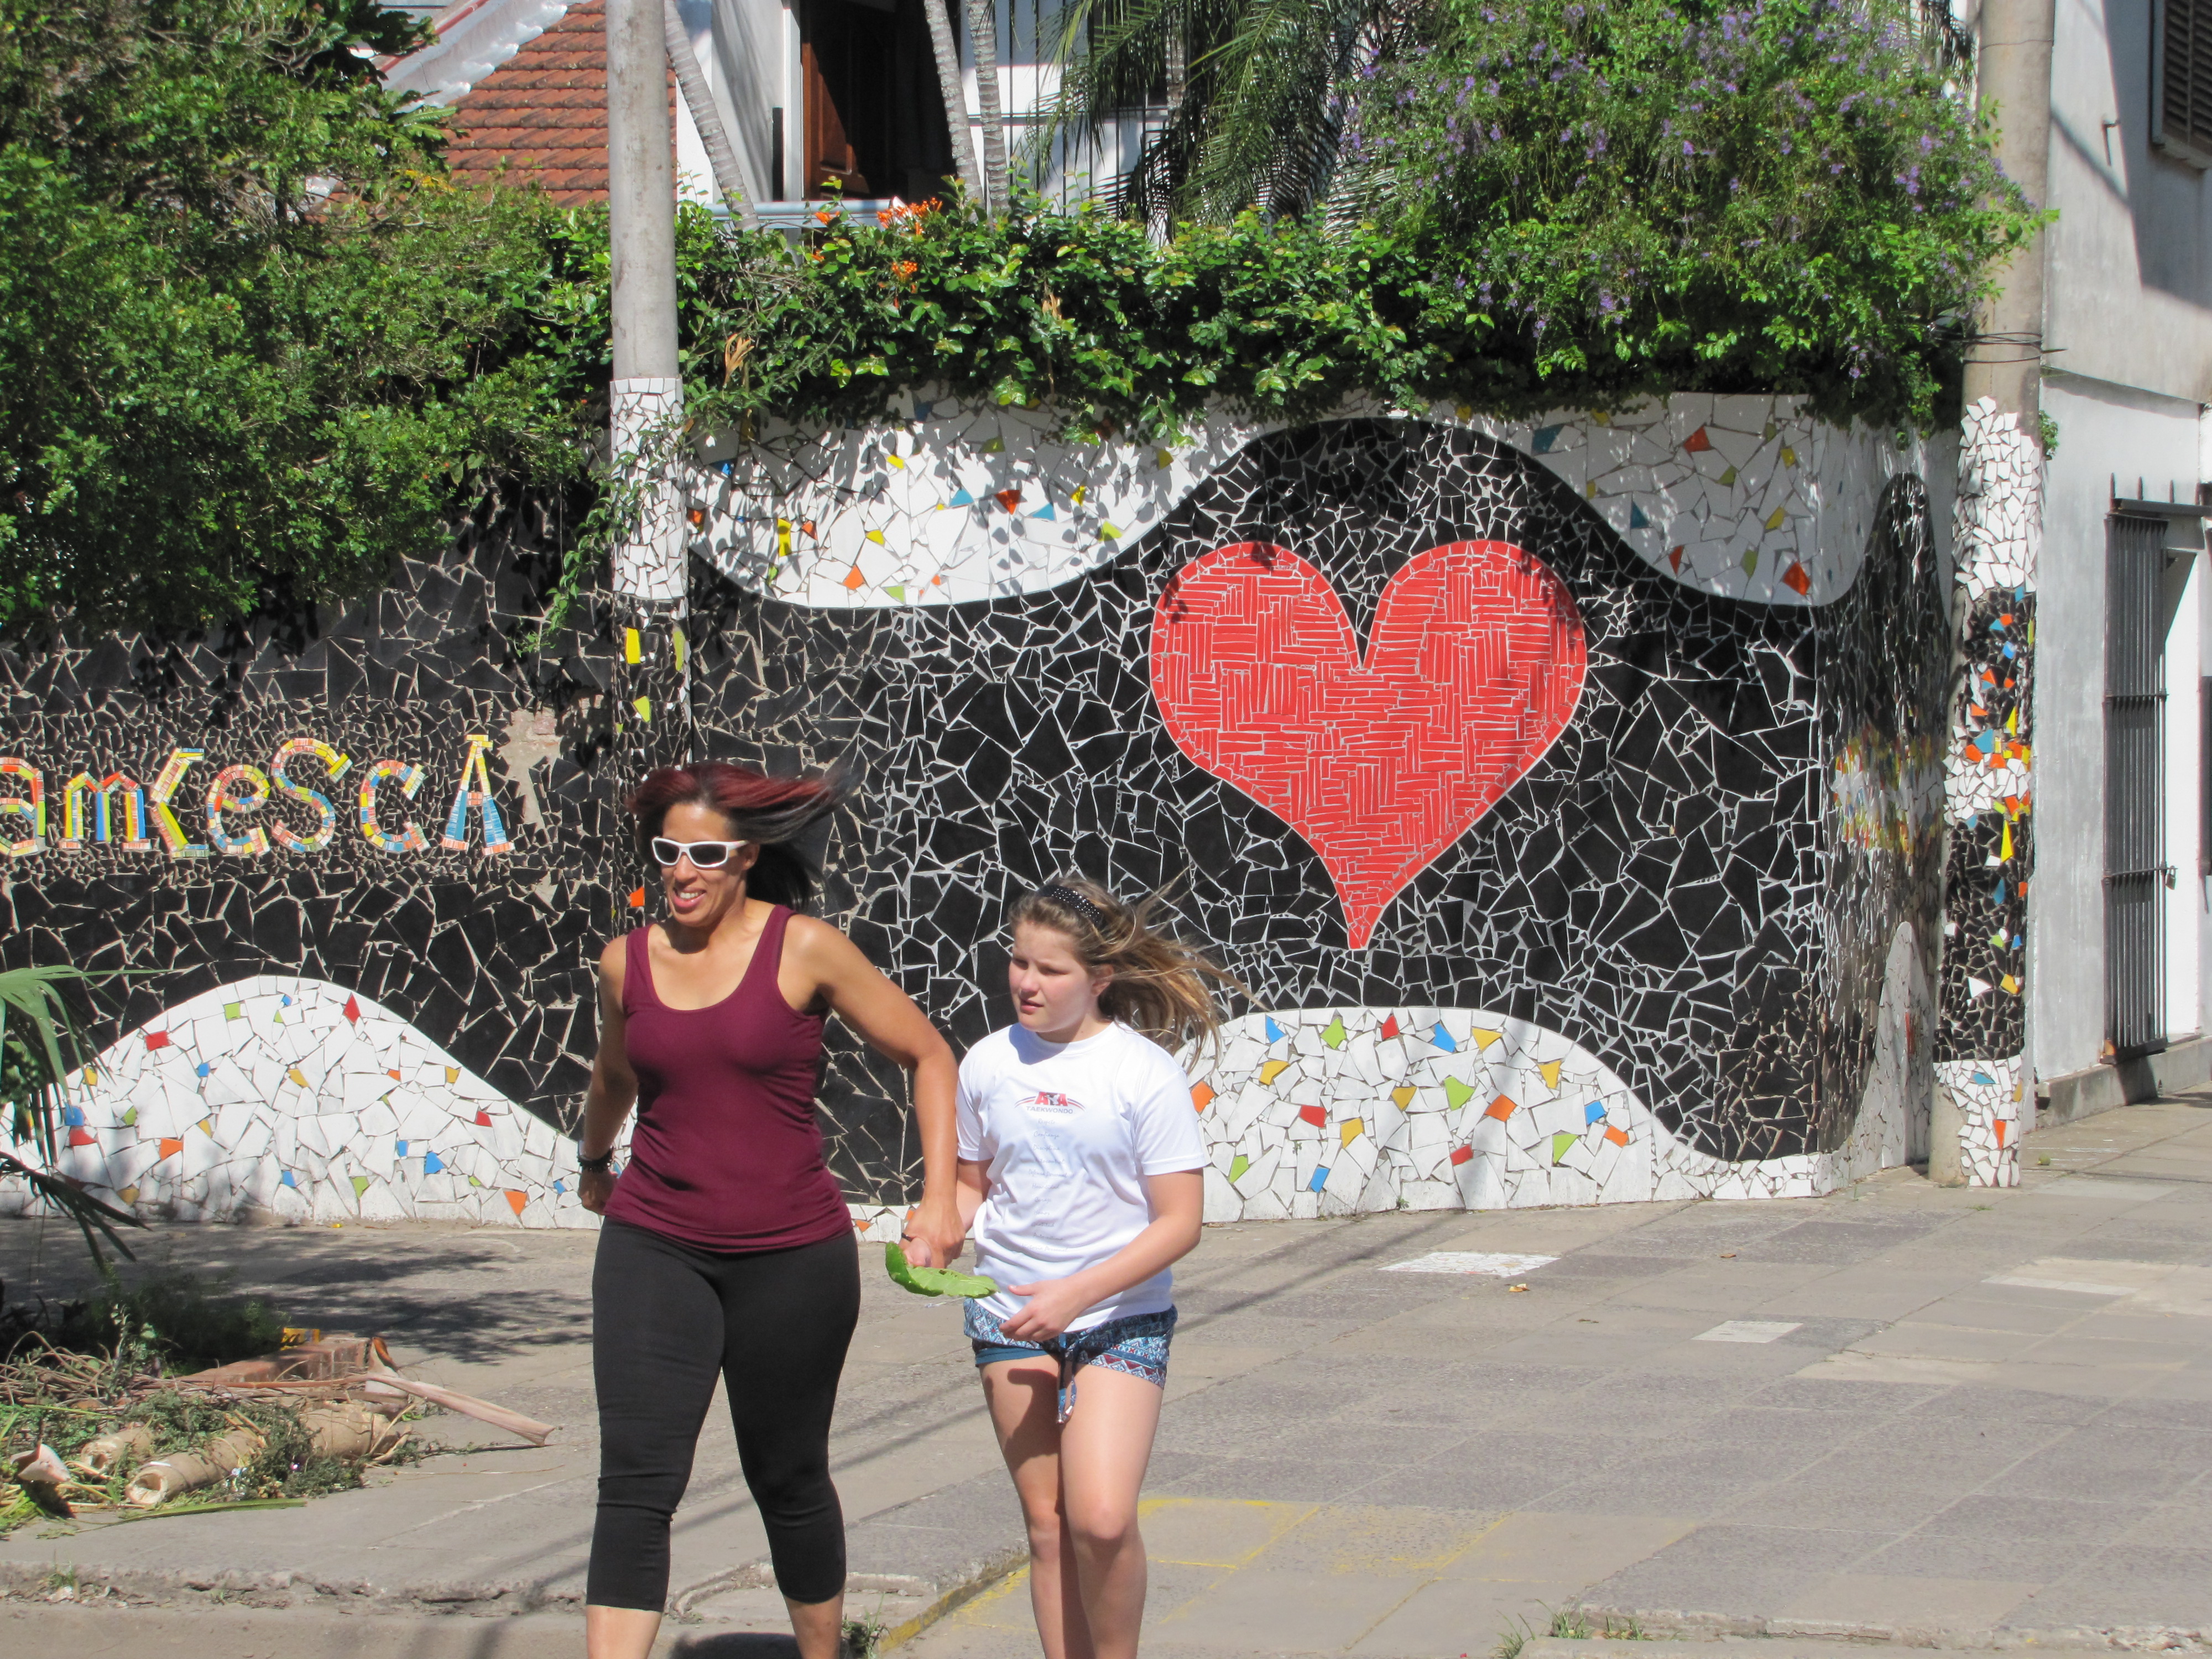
[2181,80]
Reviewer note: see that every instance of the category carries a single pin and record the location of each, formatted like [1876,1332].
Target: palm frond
[40,1035]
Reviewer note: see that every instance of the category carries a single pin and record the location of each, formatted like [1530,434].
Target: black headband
[1075,901]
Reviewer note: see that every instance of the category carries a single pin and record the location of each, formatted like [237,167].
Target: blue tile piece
[285,1180]
[73,1117]
[960,498]
[1275,1031]
[1442,1039]
[1593,1112]
[1320,1179]
[561,1187]
[202,1068]
[402,1149]
[432,1163]
[1636,518]
[1985,1079]
[1546,437]
[1045,511]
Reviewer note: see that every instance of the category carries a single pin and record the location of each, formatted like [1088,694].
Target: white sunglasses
[705,855]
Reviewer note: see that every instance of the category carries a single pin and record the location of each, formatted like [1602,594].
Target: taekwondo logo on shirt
[1047,1101]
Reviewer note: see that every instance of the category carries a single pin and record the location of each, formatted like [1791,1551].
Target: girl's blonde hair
[1159,984]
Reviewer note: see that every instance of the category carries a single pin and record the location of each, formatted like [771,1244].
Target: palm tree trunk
[956,101]
[699,98]
[983,35]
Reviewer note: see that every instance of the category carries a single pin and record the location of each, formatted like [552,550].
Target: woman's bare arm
[614,1085]
[886,1018]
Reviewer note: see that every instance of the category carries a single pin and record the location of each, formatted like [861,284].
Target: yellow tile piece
[1349,1131]
[1402,1097]
[1272,1069]
[207,1127]
[1080,491]
[1788,456]
[1549,1071]
[895,462]
[877,536]
[1482,1038]
[298,1076]
[680,646]
[1775,519]
[452,1074]
[644,707]
[633,647]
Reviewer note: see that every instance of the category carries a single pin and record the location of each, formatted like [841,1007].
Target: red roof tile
[542,114]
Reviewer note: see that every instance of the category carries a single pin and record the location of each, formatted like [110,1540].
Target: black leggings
[775,1323]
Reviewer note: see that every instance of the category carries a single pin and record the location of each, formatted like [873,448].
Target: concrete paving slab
[1863,1599]
[1536,1548]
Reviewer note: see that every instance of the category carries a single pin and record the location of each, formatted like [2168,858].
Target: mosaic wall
[1645,907]
[1989,790]
[1664,840]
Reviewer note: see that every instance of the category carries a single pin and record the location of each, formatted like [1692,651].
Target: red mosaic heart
[1474,666]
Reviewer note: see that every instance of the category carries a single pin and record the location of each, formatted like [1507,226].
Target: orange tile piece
[170,1147]
[1797,580]
[1201,1095]
[637,898]
[1674,558]
[1618,1137]
[1696,443]
[1502,1108]
[853,578]
[2002,1127]
[1461,1154]
[515,1201]
[1009,499]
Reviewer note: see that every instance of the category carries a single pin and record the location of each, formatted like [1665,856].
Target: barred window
[2181,80]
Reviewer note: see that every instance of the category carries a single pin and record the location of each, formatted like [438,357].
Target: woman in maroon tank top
[727,1249]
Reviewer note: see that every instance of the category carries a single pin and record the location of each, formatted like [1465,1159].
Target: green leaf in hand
[933,1282]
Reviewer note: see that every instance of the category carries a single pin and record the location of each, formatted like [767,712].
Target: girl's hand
[1052,1306]
[594,1187]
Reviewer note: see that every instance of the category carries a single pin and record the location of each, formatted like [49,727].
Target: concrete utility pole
[652,705]
[1984,1072]
[2013,78]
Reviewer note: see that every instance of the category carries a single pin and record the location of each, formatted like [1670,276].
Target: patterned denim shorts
[1137,1345]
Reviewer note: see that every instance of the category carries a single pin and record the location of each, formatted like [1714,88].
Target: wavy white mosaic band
[299,1098]
[1744,496]
[1337,1111]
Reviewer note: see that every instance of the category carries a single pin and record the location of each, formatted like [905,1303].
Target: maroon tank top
[727,1154]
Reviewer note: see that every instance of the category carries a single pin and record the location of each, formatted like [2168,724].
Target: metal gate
[2135,872]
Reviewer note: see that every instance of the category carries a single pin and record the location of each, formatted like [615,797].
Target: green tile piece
[130,1118]
[1728,477]
[360,1185]
[1457,1093]
[1333,1035]
[234,1010]
[1237,1165]
[1750,560]
[1560,1142]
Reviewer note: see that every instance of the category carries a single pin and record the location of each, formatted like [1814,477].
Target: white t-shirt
[1069,1131]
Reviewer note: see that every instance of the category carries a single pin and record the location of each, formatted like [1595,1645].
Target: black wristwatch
[599,1165]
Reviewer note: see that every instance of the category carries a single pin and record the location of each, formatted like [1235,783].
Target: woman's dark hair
[773,813]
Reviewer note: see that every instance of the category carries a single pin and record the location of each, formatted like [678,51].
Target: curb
[1703,1629]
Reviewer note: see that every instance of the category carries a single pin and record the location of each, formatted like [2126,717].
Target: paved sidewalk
[1901,1413]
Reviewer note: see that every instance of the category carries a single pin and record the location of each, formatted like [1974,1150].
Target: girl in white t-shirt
[1080,1177]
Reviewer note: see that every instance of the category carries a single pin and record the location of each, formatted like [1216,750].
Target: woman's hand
[594,1187]
[1054,1304]
[934,1232]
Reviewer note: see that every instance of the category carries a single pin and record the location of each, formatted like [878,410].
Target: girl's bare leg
[1104,1448]
[1022,1395]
